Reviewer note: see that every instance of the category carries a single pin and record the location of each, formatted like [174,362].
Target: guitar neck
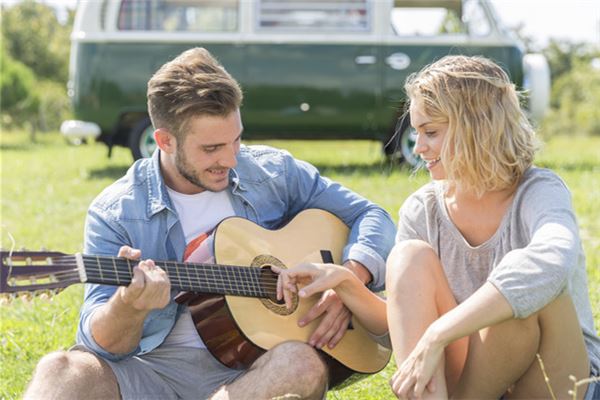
[205,278]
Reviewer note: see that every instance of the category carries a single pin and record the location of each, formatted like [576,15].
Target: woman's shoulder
[423,199]
[542,181]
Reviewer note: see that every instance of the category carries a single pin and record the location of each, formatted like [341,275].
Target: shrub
[18,95]
[576,95]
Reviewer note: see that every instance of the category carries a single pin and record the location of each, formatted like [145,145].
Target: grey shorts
[170,373]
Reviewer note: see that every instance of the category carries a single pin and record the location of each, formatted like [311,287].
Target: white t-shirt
[198,214]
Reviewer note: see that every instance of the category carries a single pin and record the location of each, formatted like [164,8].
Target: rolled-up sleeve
[532,276]
[101,238]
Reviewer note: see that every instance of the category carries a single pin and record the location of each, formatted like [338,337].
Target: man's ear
[165,140]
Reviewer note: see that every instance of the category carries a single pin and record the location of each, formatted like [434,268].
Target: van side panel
[114,77]
[311,90]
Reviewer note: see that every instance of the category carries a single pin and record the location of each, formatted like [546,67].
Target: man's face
[208,151]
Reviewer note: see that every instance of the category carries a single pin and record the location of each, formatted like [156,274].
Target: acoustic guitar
[233,302]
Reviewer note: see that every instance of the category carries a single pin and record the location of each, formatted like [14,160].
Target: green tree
[19,100]
[562,56]
[33,35]
[575,98]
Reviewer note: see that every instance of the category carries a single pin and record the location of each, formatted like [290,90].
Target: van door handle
[365,60]
[398,61]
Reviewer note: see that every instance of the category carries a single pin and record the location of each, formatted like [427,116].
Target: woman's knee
[411,261]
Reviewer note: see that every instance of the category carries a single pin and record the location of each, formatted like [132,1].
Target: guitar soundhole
[268,280]
[267,277]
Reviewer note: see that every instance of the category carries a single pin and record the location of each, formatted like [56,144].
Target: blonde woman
[488,268]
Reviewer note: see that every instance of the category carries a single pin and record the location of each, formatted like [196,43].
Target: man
[135,341]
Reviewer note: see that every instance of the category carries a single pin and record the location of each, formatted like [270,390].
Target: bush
[576,95]
[18,94]
[54,105]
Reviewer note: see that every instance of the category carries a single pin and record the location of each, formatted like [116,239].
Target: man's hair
[490,142]
[193,84]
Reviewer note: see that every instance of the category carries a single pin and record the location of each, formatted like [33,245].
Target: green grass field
[47,186]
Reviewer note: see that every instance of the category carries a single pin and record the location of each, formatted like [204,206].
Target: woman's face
[430,138]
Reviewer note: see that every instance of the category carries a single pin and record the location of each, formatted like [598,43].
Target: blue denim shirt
[268,186]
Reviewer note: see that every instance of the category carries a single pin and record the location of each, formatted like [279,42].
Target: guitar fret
[129,268]
[256,283]
[177,273]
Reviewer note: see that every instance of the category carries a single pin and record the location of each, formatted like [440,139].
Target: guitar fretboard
[206,278]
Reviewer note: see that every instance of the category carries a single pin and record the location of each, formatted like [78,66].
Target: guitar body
[237,330]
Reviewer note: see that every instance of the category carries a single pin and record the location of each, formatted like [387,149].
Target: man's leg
[72,375]
[290,370]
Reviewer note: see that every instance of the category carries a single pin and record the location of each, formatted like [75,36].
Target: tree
[33,35]
[18,95]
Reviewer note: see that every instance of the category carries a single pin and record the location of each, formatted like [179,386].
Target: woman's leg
[506,353]
[417,294]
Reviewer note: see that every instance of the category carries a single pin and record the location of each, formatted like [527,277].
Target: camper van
[309,69]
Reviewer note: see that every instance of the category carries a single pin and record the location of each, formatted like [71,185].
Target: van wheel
[399,147]
[141,139]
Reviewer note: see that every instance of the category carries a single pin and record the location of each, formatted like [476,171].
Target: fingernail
[302,293]
[301,323]
[312,343]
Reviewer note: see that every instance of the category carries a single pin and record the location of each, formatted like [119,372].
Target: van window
[476,19]
[434,20]
[426,21]
[314,15]
[179,15]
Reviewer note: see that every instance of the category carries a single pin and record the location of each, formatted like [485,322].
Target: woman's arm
[369,308]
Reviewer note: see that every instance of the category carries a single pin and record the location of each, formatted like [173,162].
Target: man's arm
[371,238]
[117,325]
[111,319]
[372,230]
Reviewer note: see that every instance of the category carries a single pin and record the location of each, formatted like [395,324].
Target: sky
[572,20]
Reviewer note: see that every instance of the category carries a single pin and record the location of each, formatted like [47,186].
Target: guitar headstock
[36,272]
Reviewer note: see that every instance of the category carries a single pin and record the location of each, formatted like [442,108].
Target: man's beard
[189,173]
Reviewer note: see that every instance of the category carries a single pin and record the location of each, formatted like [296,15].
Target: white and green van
[309,69]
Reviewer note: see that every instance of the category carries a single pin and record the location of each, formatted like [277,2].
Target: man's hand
[336,317]
[334,323]
[117,325]
[149,288]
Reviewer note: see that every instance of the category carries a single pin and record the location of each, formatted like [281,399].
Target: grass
[46,188]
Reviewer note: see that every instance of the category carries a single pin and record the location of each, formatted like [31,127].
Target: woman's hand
[316,277]
[415,374]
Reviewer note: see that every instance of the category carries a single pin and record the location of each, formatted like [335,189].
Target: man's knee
[77,371]
[300,361]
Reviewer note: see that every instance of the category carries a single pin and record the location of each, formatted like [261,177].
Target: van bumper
[76,130]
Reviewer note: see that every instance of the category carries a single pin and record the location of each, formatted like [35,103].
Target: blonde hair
[489,142]
[192,84]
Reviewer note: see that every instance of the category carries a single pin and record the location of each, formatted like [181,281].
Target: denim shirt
[268,186]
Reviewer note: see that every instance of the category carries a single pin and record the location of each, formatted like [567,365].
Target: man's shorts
[170,373]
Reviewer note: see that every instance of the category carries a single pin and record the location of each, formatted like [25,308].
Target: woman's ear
[165,140]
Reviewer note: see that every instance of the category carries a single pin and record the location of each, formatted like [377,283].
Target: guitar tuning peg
[5,299]
[25,297]
[46,295]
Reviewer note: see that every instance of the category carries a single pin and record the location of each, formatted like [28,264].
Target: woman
[488,269]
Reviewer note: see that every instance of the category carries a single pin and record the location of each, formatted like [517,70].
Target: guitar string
[73,276]
[265,282]
[205,270]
